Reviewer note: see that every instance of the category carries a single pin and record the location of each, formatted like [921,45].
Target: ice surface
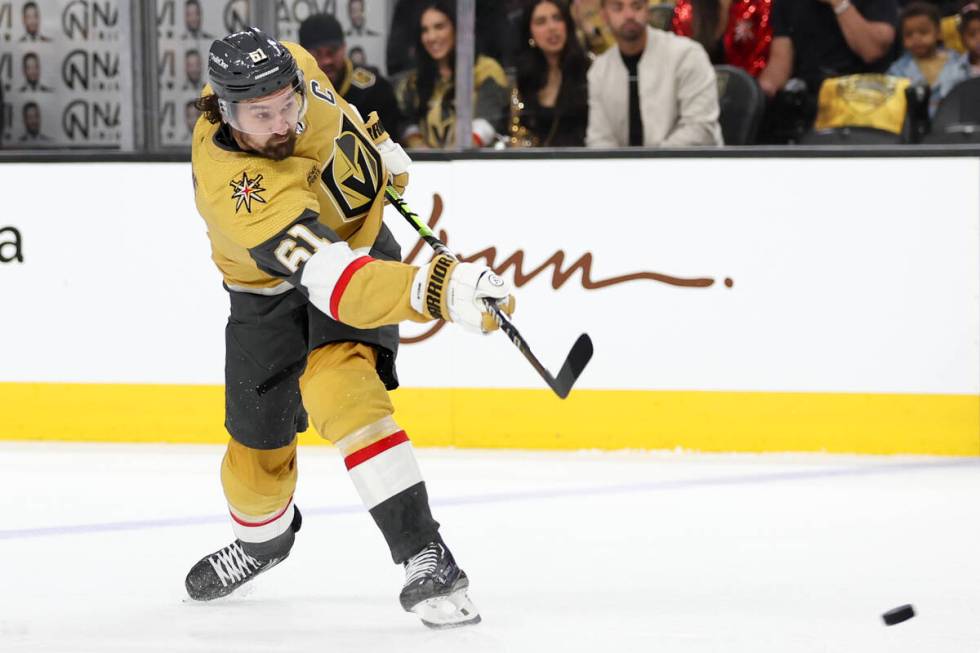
[598,552]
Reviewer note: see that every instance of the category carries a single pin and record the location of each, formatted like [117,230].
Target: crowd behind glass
[604,73]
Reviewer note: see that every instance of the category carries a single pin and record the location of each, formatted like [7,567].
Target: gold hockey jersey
[306,221]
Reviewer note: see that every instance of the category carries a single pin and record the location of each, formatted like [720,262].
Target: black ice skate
[435,589]
[227,569]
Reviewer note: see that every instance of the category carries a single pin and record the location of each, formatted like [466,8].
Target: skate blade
[450,611]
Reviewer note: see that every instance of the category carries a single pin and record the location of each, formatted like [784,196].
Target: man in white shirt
[653,89]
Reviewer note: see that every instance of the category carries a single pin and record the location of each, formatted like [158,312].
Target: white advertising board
[846,275]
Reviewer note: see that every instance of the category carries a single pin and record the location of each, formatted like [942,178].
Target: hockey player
[290,181]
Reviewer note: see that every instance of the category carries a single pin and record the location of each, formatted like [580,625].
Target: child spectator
[925,60]
[970,35]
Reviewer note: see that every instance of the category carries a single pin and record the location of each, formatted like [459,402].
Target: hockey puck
[898,615]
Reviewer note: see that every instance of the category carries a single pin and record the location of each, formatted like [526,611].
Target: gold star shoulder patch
[247,191]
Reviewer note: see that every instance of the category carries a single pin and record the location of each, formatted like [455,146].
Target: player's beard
[278,148]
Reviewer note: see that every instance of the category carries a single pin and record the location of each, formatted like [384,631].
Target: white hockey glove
[394,157]
[449,290]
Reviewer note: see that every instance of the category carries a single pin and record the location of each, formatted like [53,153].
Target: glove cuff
[430,289]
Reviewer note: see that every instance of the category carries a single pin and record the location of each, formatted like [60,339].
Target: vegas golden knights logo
[442,133]
[353,174]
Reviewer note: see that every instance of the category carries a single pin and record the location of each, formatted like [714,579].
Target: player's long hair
[427,70]
[532,67]
[208,105]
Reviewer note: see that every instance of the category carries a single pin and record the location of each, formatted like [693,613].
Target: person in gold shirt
[428,96]
[290,182]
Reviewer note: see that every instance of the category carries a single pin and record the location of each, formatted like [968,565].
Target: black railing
[749,152]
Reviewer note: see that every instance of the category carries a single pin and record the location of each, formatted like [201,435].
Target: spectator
[31,65]
[428,94]
[653,88]
[32,124]
[358,21]
[970,34]
[817,39]
[733,32]
[362,86]
[925,61]
[402,52]
[550,105]
[192,22]
[31,16]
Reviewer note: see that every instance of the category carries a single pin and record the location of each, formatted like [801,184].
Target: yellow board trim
[532,419]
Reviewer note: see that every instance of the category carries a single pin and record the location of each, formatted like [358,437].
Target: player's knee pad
[258,483]
[380,460]
[342,391]
[355,442]
[382,465]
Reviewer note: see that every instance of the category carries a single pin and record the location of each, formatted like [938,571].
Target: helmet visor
[275,113]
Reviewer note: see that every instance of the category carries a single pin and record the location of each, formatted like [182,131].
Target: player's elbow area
[328,274]
[343,282]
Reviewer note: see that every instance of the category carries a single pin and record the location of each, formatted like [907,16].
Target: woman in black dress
[550,105]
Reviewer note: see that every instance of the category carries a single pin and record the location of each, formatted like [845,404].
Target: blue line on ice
[507,497]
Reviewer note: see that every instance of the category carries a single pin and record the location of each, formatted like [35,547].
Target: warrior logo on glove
[434,295]
[449,290]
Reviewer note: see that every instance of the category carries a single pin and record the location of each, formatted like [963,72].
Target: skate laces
[232,564]
[423,563]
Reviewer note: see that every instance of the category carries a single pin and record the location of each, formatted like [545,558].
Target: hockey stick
[577,358]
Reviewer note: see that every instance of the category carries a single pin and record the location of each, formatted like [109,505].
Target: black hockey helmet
[248,65]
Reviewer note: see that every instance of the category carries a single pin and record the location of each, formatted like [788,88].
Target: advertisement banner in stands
[66,74]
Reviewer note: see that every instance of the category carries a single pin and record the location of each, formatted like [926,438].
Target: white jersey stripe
[257,529]
[324,269]
[386,474]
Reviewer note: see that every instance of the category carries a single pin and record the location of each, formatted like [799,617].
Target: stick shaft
[501,318]
[413,219]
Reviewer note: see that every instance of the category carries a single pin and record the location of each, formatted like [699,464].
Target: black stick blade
[577,359]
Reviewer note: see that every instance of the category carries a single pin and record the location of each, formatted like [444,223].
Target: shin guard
[382,466]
